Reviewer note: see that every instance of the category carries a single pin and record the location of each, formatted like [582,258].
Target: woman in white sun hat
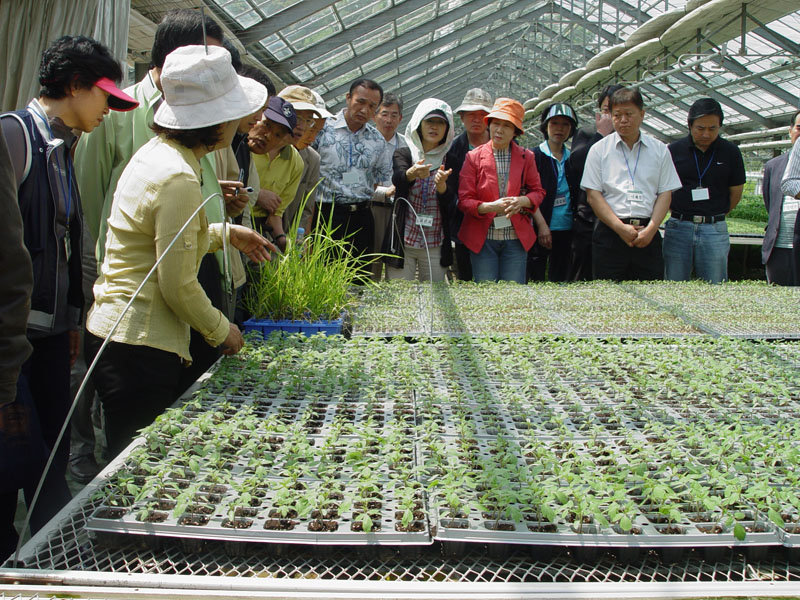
[137,375]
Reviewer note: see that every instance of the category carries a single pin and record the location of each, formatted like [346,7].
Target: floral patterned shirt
[351,164]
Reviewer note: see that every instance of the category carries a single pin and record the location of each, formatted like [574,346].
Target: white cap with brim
[202,89]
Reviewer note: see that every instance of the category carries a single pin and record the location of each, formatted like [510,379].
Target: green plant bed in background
[738,226]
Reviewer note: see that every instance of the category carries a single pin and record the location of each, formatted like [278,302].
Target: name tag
[425,220]
[635,196]
[502,222]
[790,204]
[699,194]
[351,177]
[67,246]
[560,200]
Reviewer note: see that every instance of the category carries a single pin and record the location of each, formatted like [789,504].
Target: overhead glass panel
[240,11]
[276,46]
[416,18]
[303,73]
[331,59]
[450,27]
[347,78]
[319,26]
[419,42]
[371,40]
[352,12]
[378,62]
[273,7]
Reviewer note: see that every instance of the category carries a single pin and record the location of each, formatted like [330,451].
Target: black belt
[698,218]
[636,221]
[347,208]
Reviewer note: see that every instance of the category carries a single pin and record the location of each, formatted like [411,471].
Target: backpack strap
[14,147]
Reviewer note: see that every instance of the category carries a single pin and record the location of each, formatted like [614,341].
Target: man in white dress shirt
[629,178]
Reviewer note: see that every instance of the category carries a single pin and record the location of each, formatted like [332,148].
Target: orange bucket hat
[507,109]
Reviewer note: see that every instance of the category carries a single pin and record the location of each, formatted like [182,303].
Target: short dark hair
[236,58]
[607,92]
[794,118]
[77,60]
[260,76]
[181,27]
[369,84]
[704,107]
[391,98]
[625,95]
[191,138]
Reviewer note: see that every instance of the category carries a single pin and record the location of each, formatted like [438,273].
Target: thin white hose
[424,241]
[97,357]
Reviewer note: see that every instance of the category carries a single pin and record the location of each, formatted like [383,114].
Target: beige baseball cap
[475,99]
[301,97]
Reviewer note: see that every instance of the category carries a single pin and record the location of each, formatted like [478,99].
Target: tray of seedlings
[746,309]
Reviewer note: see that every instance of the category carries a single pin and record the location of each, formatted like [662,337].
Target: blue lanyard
[697,164]
[635,166]
[68,193]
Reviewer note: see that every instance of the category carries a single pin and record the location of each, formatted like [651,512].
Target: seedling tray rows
[526,440]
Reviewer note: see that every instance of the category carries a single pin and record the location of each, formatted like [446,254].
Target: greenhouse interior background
[637,379]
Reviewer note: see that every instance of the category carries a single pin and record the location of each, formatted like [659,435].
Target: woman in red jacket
[497,225]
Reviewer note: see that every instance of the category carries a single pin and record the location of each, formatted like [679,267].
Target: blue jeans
[703,246]
[500,259]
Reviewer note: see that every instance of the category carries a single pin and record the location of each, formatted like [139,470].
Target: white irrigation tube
[100,352]
[424,240]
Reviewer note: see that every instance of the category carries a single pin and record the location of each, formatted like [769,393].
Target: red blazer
[478,184]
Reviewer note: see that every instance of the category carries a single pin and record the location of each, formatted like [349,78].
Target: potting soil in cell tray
[476,528]
[263,526]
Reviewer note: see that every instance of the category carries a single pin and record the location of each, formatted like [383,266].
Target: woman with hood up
[419,176]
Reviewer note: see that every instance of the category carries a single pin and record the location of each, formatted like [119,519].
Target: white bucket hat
[202,89]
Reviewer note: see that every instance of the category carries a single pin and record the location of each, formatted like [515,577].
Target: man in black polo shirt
[712,175]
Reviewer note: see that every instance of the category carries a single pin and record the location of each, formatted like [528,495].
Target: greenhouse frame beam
[389,84]
[283,19]
[723,99]
[776,38]
[459,84]
[422,50]
[742,71]
[348,35]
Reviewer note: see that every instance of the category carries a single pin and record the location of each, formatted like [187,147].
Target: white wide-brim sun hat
[202,89]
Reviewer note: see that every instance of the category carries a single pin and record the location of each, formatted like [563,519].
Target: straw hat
[507,109]
[322,110]
[300,97]
[202,89]
[475,99]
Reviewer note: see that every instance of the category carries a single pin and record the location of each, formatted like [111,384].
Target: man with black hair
[77,77]
[101,157]
[387,120]
[778,246]
[354,160]
[628,178]
[712,180]
[583,217]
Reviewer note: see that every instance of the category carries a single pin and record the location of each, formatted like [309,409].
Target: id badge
[790,204]
[635,197]
[350,177]
[425,220]
[560,200]
[699,194]
[502,222]
[67,246]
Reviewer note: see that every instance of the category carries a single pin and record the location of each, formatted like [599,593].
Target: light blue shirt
[351,163]
[562,208]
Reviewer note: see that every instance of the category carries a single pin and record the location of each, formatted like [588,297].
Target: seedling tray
[478,529]
[266,326]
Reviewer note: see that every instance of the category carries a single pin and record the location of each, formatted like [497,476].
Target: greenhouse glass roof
[537,51]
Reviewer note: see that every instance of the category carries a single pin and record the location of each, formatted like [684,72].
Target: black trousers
[613,259]
[554,264]
[463,262]
[581,252]
[357,227]
[45,376]
[135,385]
